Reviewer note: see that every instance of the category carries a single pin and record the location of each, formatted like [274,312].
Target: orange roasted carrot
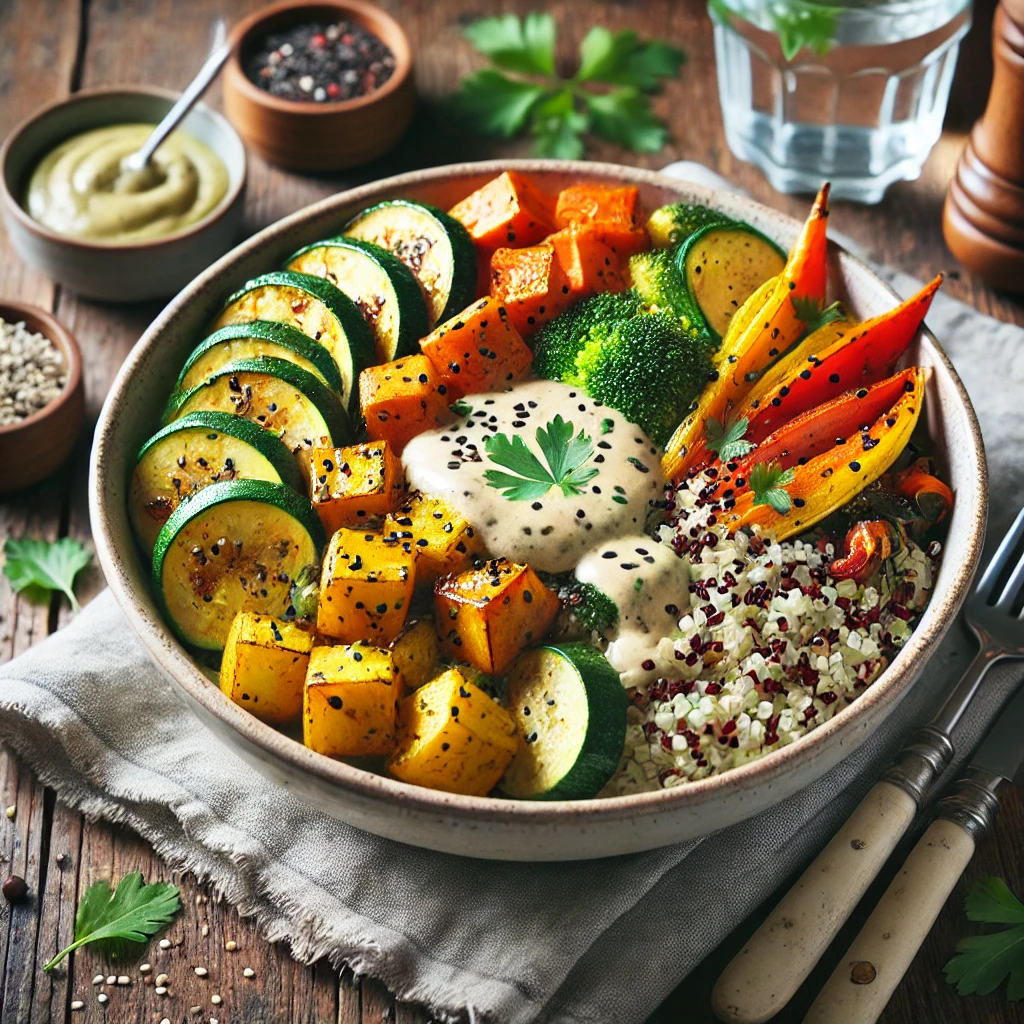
[589,264]
[530,284]
[762,330]
[508,211]
[612,213]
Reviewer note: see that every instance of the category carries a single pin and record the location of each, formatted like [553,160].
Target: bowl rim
[27,221]
[64,341]
[175,661]
[237,79]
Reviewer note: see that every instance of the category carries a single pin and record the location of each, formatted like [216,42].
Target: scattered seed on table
[205,930]
[77,1004]
[165,943]
[98,980]
[195,1009]
[248,973]
[213,1020]
[14,888]
[231,945]
[32,374]
[145,968]
[61,857]
[317,63]
[161,990]
[161,979]
[123,979]
[201,972]
[13,809]
[166,1020]
[216,999]
[111,979]
[102,997]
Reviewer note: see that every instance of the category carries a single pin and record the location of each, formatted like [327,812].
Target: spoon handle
[207,73]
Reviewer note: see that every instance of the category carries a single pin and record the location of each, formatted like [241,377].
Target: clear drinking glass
[860,104]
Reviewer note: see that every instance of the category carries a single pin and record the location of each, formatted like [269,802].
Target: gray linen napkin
[598,941]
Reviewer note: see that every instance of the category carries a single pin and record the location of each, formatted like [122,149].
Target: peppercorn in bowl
[532,515]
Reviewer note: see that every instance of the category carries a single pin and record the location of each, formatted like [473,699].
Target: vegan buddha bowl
[549,489]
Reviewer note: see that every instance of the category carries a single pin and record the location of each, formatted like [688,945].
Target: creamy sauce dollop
[649,584]
[553,531]
[80,190]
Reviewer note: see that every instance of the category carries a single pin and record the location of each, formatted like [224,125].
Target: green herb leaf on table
[812,314]
[768,482]
[984,962]
[559,112]
[564,451]
[47,565]
[134,912]
[727,441]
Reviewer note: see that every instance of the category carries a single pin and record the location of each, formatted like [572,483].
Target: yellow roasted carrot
[755,340]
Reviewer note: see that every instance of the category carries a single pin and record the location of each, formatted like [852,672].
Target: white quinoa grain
[216,999]
[32,372]
[145,968]
[161,990]
[248,973]
[102,997]
[205,930]
[123,979]
[165,943]
[231,945]
[111,979]
[98,980]
[77,1004]
[201,972]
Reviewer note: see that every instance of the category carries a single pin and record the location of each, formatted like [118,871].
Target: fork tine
[999,561]
[1013,586]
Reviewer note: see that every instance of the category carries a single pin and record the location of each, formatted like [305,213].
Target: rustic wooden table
[50,48]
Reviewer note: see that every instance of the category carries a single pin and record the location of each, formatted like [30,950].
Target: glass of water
[853,93]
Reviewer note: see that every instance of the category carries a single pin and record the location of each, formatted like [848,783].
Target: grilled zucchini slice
[235,546]
[570,712]
[434,246]
[379,283]
[252,340]
[316,308]
[195,451]
[276,395]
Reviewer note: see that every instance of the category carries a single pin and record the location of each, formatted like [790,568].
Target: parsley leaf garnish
[983,962]
[810,311]
[522,92]
[727,441]
[45,565]
[133,912]
[768,482]
[564,451]
[461,407]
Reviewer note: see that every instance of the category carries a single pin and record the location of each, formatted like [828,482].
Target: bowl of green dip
[72,212]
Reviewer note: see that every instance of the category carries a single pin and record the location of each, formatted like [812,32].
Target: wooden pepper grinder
[983,219]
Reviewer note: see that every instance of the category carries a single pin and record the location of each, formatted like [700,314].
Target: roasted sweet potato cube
[264,666]
[488,615]
[479,349]
[452,736]
[613,214]
[442,539]
[365,588]
[349,486]
[417,654]
[509,210]
[530,284]
[590,266]
[403,398]
[350,701]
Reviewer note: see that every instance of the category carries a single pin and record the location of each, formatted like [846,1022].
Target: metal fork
[774,963]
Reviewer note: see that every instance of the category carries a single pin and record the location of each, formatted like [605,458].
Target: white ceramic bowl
[483,826]
[109,271]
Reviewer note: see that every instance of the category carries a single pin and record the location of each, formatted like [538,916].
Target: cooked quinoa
[770,648]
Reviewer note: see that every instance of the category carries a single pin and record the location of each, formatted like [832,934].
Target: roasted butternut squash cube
[488,615]
[479,349]
[417,654]
[365,588]
[590,266]
[349,486]
[441,539]
[613,213]
[452,736]
[531,285]
[264,666]
[509,210]
[403,398]
[350,702]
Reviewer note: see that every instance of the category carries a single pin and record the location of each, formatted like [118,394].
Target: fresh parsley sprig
[727,440]
[608,96]
[768,481]
[564,451]
[45,566]
[814,316]
[133,912]
[984,962]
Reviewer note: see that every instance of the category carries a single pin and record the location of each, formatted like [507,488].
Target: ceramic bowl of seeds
[319,86]
[42,401]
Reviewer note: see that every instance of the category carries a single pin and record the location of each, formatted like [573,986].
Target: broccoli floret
[670,225]
[659,282]
[588,606]
[557,344]
[647,368]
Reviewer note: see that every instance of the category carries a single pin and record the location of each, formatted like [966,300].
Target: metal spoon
[137,161]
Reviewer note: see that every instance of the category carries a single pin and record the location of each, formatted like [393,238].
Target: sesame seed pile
[770,649]
[32,372]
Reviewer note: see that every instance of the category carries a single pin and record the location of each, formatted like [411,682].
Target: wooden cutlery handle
[773,964]
[880,955]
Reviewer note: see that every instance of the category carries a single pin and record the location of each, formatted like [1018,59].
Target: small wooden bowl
[33,448]
[312,136]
